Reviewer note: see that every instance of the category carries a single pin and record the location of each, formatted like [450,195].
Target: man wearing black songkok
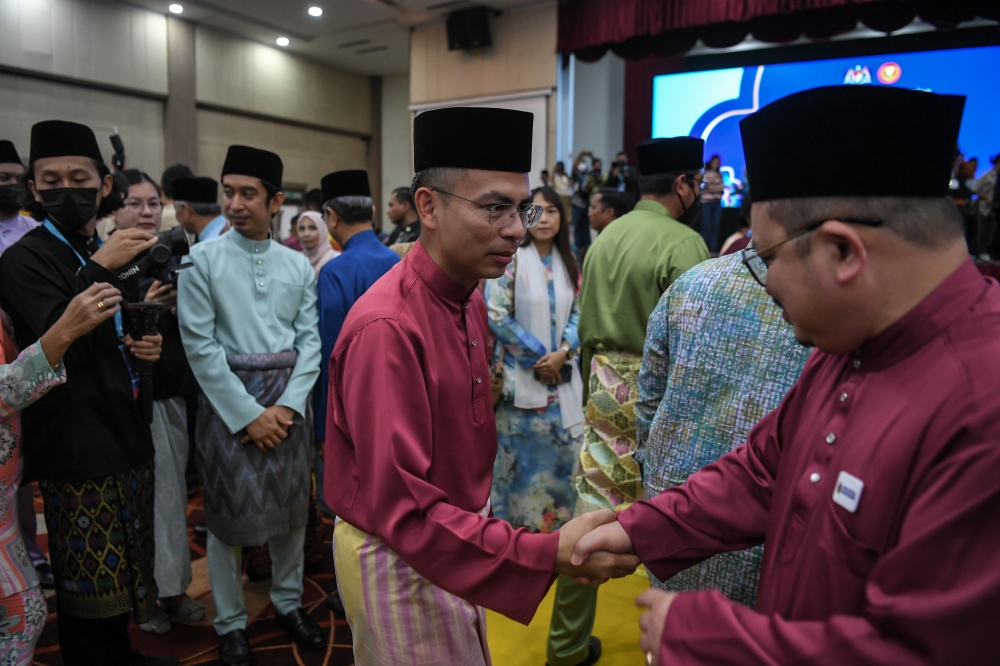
[410,430]
[875,484]
[247,311]
[86,442]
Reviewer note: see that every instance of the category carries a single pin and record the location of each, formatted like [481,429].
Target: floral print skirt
[533,472]
[101,544]
[22,617]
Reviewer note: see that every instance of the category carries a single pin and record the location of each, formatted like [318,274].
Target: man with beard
[87,442]
[247,312]
[627,269]
[875,485]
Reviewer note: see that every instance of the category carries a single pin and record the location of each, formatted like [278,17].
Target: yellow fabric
[617,625]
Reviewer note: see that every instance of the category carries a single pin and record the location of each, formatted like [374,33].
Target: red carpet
[198,643]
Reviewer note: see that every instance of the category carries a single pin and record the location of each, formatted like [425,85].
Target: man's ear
[106,186]
[34,191]
[276,202]
[426,207]
[845,248]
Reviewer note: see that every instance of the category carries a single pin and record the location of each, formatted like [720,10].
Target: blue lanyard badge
[118,315]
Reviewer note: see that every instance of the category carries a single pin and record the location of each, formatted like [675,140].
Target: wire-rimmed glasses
[758,267]
[502,215]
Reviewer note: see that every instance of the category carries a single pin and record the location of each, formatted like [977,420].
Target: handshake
[594,548]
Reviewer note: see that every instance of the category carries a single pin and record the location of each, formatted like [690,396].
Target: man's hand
[163,293]
[122,246]
[598,567]
[83,314]
[651,623]
[609,536]
[147,349]
[270,428]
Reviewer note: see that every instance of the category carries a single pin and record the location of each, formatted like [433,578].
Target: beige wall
[140,121]
[308,155]
[522,57]
[397,156]
[243,75]
[84,39]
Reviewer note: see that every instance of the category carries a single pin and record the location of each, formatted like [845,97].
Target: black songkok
[59,138]
[353,183]
[8,153]
[254,162]
[196,190]
[853,141]
[680,154]
[468,137]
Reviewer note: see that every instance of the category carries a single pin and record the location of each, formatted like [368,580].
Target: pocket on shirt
[479,410]
[287,298]
[858,556]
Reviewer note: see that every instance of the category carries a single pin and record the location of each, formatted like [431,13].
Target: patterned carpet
[198,643]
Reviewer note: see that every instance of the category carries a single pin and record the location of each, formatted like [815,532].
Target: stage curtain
[635,29]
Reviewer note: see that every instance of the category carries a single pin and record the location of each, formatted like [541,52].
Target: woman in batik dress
[24,378]
[533,311]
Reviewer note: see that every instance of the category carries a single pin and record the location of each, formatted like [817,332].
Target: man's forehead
[64,163]
[11,167]
[480,183]
[240,181]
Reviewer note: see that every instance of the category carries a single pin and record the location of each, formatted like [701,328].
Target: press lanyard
[118,315]
[83,262]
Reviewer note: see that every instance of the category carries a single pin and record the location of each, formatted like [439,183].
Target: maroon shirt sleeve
[482,560]
[930,598]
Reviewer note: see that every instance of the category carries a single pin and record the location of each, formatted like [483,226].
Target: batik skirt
[398,617]
[609,475]
[252,495]
[22,618]
[101,544]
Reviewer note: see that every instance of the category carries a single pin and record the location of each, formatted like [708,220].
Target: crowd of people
[512,388]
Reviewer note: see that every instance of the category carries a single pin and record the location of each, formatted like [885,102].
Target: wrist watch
[569,352]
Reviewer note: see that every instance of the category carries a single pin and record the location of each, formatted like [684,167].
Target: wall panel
[88,40]
[259,79]
[308,155]
[139,121]
[522,57]
[397,153]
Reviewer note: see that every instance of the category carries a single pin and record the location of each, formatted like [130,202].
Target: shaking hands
[594,548]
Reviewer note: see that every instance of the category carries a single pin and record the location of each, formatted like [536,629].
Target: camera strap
[83,262]
[118,315]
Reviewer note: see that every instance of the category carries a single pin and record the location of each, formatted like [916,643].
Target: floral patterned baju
[536,456]
[22,606]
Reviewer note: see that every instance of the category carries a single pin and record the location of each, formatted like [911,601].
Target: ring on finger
[101,307]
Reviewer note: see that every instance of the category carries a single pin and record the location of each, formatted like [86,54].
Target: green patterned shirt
[718,357]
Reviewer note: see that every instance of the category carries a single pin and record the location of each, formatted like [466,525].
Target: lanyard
[83,262]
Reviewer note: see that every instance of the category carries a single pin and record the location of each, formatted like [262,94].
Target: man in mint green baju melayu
[627,269]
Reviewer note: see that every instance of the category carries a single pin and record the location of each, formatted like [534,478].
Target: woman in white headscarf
[533,311]
[314,239]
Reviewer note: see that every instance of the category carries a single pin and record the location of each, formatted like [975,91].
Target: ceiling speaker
[469,29]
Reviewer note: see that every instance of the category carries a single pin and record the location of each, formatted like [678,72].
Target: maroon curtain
[635,29]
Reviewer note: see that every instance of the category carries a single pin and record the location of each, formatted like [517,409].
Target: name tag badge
[847,492]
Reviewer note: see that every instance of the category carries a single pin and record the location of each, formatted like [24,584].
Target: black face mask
[690,213]
[70,207]
[9,204]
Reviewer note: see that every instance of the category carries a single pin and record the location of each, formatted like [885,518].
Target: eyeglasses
[502,215]
[758,267]
[137,206]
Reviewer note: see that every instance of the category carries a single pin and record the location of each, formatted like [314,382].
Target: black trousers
[104,642]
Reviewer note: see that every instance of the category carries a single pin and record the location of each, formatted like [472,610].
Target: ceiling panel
[363,36]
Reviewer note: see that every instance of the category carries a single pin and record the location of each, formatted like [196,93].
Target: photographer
[86,441]
[172,384]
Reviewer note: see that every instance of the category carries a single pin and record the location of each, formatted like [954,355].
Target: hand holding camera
[84,313]
[122,247]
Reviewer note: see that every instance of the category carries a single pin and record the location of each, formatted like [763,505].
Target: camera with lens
[160,261]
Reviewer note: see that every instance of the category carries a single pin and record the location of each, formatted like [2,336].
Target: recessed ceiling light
[282,41]
[315,11]
[176,9]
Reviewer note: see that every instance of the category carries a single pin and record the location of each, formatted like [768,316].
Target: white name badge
[847,492]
